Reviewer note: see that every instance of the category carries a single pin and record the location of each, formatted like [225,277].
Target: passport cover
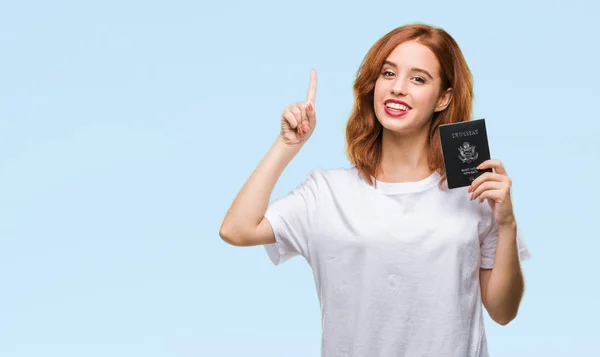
[464,146]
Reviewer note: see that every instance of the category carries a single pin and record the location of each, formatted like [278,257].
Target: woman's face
[408,89]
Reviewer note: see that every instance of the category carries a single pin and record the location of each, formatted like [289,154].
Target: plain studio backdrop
[128,127]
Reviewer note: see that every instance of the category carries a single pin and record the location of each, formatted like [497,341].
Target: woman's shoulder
[349,174]
[333,179]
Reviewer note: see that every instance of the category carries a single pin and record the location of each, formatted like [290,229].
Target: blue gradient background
[127,128]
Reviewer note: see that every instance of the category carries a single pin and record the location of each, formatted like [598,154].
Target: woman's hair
[364,131]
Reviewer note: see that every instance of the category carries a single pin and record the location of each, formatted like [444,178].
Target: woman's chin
[395,125]
[403,128]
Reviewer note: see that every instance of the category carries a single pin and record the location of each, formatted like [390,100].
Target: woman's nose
[399,87]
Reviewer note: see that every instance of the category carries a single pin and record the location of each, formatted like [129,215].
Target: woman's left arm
[501,287]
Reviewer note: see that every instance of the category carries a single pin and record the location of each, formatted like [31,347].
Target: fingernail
[309,107]
[471,198]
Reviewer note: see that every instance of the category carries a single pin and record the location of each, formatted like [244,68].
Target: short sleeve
[290,218]
[489,240]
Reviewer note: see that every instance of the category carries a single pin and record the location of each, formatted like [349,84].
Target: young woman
[402,264]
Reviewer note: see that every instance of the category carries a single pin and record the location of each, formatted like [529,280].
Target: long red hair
[363,130]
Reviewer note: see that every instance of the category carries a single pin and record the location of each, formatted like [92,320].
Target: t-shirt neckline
[407,187]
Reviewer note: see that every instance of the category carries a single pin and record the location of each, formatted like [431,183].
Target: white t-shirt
[396,266]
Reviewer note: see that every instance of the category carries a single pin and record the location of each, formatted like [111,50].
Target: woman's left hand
[495,187]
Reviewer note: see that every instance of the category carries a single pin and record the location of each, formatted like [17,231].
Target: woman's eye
[419,79]
[387,73]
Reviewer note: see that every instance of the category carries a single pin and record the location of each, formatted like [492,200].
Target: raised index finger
[312,87]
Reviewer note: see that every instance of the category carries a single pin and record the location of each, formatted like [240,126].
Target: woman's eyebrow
[414,69]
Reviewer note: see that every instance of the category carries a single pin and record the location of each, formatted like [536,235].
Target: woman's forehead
[413,54]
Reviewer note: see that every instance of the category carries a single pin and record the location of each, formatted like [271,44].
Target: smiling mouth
[395,109]
[396,106]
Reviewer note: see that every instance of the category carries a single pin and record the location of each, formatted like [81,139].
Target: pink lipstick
[399,108]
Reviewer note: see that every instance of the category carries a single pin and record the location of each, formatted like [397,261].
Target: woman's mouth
[395,108]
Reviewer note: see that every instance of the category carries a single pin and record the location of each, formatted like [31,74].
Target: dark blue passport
[464,146]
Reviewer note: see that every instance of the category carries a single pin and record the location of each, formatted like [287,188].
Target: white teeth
[393,105]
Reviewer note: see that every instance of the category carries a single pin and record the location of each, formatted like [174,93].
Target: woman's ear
[444,100]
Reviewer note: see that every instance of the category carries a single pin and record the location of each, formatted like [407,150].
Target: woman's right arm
[245,224]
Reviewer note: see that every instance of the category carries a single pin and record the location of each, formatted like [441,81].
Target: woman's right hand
[298,121]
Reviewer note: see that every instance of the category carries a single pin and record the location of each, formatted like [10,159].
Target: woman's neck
[404,158]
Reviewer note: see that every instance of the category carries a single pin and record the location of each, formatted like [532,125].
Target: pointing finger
[312,87]
[304,115]
[310,114]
